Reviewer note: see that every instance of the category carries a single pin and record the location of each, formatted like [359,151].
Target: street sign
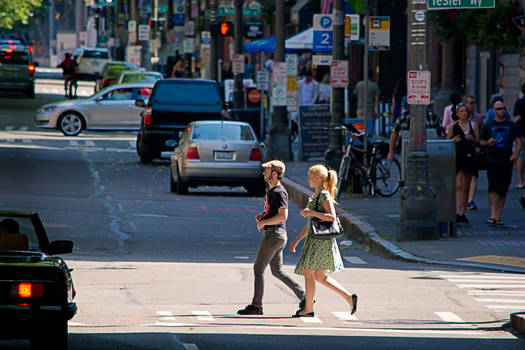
[237,63]
[379,29]
[279,95]
[205,38]
[280,73]
[418,88]
[143,32]
[132,26]
[291,62]
[253,30]
[339,74]
[459,4]
[187,45]
[351,28]
[230,11]
[323,33]
[321,60]
[189,28]
[262,79]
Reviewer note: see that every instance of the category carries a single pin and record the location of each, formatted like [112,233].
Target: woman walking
[466,136]
[318,256]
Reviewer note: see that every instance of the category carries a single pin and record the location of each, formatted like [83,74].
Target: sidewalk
[478,245]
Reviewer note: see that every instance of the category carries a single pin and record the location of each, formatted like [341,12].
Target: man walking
[273,223]
[373,97]
[69,71]
[498,137]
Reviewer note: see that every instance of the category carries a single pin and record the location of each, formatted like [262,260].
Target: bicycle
[378,176]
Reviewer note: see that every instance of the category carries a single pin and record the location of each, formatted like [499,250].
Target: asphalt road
[155,270]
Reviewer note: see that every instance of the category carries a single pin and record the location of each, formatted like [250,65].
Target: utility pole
[280,133]
[238,100]
[187,55]
[214,56]
[418,205]
[335,141]
[52,36]
[365,79]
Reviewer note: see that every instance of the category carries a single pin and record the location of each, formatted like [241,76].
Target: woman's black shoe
[298,314]
[354,304]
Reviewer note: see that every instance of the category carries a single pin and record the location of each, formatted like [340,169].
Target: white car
[91,60]
[139,76]
[112,108]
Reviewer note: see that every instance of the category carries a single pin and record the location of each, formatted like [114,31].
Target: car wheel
[182,187]
[50,335]
[145,157]
[71,123]
[173,184]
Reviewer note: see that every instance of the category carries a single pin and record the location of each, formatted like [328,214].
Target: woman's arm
[298,239]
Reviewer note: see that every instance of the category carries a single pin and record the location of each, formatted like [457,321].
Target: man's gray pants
[271,253]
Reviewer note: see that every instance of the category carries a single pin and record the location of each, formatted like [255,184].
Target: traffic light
[226,28]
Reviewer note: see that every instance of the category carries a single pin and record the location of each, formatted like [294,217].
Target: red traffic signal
[226,28]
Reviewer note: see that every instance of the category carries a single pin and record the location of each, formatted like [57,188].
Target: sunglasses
[500,108]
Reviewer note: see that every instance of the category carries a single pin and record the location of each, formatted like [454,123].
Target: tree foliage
[13,12]
[492,28]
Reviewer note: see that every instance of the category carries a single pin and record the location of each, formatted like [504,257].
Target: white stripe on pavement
[506,307]
[73,143]
[508,293]
[354,260]
[165,315]
[314,319]
[482,281]
[491,286]
[345,316]
[203,316]
[484,277]
[508,301]
[190,346]
[449,317]
[90,143]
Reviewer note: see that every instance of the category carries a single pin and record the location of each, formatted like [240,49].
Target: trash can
[442,177]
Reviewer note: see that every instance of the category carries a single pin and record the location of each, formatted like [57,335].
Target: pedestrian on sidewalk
[498,137]
[455,98]
[478,119]
[519,119]
[320,256]
[273,223]
[466,136]
[69,72]
[373,97]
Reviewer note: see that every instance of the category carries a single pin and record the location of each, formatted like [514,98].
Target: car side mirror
[100,98]
[61,247]
[140,103]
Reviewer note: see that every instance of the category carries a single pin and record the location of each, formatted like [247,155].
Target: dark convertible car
[36,289]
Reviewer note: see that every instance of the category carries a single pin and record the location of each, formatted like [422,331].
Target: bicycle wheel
[387,177]
[342,175]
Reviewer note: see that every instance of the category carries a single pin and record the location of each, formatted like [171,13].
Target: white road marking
[76,324]
[165,315]
[133,144]
[169,324]
[491,286]
[190,346]
[482,281]
[73,142]
[354,260]
[492,277]
[90,143]
[508,293]
[26,141]
[506,307]
[345,316]
[151,215]
[314,319]
[203,316]
[449,317]
[508,301]
[241,257]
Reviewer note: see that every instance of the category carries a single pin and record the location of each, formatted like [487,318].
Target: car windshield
[146,78]
[95,54]
[222,132]
[14,57]
[199,94]
[18,233]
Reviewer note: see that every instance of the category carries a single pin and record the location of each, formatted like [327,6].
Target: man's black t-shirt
[519,109]
[276,198]
[504,133]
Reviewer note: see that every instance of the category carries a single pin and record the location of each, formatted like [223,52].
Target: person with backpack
[69,72]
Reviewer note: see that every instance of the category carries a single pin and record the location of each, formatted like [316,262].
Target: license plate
[223,155]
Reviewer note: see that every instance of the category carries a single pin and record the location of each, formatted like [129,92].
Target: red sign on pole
[280,73]
[339,74]
[237,63]
[418,88]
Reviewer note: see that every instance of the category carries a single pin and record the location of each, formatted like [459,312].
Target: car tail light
[225,114]
[192,153]
[31,69]
[30,48]
[107,82]
[147,115]
[255,154]
[30,290]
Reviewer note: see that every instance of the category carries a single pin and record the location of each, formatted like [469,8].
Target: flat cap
[276,165]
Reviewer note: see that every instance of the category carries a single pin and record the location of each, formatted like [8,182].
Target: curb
[362,232]
[517,321]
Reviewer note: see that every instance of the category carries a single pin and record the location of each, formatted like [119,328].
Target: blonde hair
[328,178]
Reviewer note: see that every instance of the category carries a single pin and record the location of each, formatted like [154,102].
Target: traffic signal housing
[222,28]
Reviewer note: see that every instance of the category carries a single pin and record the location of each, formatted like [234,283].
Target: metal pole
[335,137]
[365,74]
[280,133]
[418,206]
[187,55]
[214,57]
[52,37]
[238,100]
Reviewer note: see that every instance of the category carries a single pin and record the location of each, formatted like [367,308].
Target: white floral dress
[319,254]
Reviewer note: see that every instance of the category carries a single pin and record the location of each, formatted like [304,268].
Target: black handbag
[326,229]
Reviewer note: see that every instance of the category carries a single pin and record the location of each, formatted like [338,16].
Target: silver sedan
[217,153]
[112,108]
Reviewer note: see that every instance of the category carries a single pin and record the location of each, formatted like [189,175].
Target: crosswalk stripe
[345,316]
[314,319]
[484,277]
[506,307]
[203,316]
[491,286]
[190,346]
[508,301]
[449,316]
[354,260]
[482,281]
[165,316]
[508,293]
[27,141]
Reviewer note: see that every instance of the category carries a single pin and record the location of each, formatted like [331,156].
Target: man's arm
[282,216]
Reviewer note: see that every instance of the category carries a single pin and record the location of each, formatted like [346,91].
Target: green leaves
[16,11]
[358,6]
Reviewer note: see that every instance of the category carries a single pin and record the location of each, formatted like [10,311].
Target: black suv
[17,71]
[172,105]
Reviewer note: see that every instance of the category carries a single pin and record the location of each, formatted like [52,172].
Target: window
[198,94]
[95,54]
[25,227]
[14,57]
[119,95]
[222,132]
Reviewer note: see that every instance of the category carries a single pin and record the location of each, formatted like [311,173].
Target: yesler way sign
[459,4]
